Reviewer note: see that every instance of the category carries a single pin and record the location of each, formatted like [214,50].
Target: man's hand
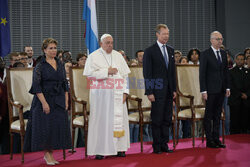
[204,96]
[112,71]
[125,95]
[151,98]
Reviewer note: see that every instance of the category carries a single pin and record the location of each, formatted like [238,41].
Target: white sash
[118,109]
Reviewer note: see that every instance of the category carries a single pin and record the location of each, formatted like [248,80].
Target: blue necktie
[218,57]
[165,55]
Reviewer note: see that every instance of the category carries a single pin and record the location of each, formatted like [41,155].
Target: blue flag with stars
[4,29]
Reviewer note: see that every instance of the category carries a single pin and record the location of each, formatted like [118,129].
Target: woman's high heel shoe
[56,162]
[48,163]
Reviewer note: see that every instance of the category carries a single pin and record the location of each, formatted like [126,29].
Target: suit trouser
[213,111]
[161,115]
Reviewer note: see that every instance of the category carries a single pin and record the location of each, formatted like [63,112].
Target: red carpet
[237,154]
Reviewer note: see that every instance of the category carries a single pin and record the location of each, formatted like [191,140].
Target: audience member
[183,60]
[31,61]
[67,56]
[14,57]
[67,66]
[81,59]
[23,56]
[240,95]
[139,57]
[177,56]
[59,55]
[247,52]
[126,58]
[248,62]
[193,56]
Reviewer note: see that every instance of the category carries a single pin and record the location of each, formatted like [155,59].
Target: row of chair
[189,103]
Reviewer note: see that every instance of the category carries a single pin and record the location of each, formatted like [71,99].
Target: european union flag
[4,29]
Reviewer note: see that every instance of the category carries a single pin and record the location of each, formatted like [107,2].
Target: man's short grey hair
[214,32]
[159,26]
[105,36]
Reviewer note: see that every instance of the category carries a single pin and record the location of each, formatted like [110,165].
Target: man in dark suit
[214,85]
[239,99]
[160,87]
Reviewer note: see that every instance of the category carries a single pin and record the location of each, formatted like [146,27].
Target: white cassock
[108,130]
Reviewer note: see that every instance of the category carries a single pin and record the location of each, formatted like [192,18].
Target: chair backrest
[187,80]
[78,86]
[19,81]
[137,87]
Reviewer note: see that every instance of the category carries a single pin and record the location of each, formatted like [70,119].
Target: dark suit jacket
[240,83]
[34,62]
[158,78]
[213,76]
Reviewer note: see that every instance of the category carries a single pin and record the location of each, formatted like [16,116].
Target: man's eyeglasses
[23,59]
[218,39]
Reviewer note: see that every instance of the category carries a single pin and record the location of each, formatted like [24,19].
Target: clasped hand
[112,71]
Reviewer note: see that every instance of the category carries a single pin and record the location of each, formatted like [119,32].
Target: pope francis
[108,132]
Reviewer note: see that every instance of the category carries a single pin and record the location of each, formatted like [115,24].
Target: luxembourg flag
[91,34]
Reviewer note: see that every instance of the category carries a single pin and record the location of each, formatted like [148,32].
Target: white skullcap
[105,36]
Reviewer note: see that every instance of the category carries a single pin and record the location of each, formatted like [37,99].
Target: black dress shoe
[211,144]
[220,145]
[157,152]
[121,154]
[167,150]
[99,157]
